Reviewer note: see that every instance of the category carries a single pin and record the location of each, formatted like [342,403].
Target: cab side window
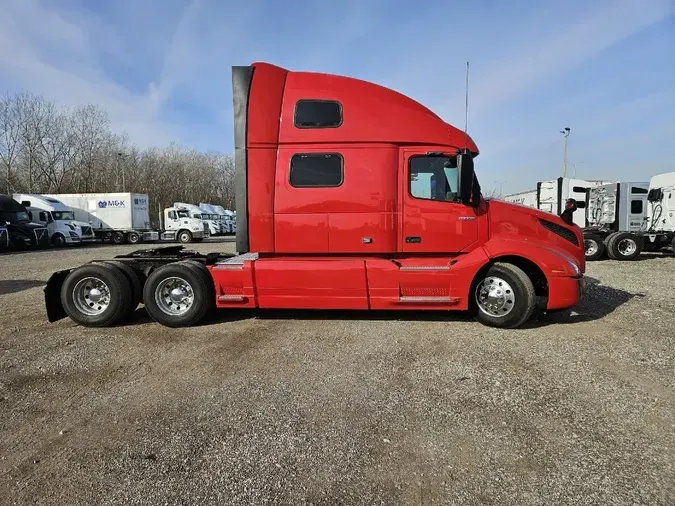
[434,178]
[43,217]
[172,215]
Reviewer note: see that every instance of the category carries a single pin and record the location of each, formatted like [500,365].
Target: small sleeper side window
[636,207]
[317,114]
[316,170]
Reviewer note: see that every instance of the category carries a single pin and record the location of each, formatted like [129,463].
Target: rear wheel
[504,296]
[133,237]
[624,246]
[96,295]
[134,282]
[117,238]
[178,295]
[594,246]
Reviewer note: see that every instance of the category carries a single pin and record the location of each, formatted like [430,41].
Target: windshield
[63,215]
[183,214]
[15,216]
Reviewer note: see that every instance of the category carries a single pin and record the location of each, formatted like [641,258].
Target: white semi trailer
[526,198]
[116,217]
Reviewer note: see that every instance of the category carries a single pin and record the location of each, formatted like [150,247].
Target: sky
[605,69]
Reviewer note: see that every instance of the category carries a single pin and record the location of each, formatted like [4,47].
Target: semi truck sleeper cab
[349,195]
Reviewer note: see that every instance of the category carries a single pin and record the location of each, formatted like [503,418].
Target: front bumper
[565,292]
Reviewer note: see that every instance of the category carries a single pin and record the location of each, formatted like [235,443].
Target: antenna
[466,106]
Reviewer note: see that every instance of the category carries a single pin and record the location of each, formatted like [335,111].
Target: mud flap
[52,292]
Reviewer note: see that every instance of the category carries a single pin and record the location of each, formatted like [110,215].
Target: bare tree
[48,149]
[10,138]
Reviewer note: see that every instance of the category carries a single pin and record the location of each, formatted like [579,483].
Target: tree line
[49,149]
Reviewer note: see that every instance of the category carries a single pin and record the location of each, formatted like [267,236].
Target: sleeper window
[316,170]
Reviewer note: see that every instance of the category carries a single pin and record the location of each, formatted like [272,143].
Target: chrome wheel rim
[174,296]
[591,247]
[91,296]
[627,247]
[495,297]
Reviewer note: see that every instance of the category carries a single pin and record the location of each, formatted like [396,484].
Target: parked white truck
[183,225]
[659,228]
[616,220]
[116,217]
[230,221]
[551,195]
[196,212]
[57,217]
[211,213]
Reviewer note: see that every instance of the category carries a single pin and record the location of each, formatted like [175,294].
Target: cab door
[434,219]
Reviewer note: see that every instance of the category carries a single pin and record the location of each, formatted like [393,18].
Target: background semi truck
[551,195]
[58,218]
[337,210]
[182,225]
[116,217]
[615,218]
[211,224]
[22,232]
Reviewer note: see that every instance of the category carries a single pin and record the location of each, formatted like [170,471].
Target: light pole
[121,155]
[566,134]
[501,186]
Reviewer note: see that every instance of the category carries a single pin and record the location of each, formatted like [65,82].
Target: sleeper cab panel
[362,233]
[341,218]
[260,197]
[301,233]
[311,283]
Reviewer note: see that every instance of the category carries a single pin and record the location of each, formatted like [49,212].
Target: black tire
[117,238]
[202,293]
[119,295]
[518,301]
[624,246]
[133,237]
[200,269]
[134,280]
[184,236]
[594,244]
[58,240]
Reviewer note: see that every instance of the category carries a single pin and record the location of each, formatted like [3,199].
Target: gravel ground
[340,408]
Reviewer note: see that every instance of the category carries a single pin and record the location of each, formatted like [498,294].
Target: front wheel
[504,297]
[185,237]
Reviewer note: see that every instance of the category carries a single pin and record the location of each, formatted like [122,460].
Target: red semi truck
[349,195]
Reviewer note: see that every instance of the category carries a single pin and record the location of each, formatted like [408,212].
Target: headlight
[575,267]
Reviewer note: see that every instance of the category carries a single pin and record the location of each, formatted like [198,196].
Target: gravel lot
[340,408]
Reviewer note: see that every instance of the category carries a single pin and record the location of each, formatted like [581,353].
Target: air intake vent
[563,232]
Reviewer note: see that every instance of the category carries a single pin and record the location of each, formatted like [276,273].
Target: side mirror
[570,207]
[466,177]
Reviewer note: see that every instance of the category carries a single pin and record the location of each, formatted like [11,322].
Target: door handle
[413,239]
